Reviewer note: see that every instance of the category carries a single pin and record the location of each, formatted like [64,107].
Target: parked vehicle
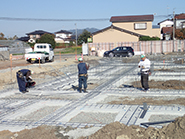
[42,51]
[122,51]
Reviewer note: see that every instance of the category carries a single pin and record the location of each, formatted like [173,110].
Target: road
[21,62]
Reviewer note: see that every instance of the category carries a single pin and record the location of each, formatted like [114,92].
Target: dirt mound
[116,130]
[169,84]
[41,132]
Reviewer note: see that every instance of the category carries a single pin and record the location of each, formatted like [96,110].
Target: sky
[75,10]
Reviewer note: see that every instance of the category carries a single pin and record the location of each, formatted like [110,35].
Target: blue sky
[78,9]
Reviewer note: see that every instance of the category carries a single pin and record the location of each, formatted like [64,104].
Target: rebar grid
[110,75]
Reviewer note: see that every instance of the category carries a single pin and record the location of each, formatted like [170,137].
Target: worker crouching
[24,80]
[82,74]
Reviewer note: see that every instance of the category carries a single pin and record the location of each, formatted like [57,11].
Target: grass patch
[71,50]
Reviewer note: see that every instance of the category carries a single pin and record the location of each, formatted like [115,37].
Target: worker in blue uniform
[82,74]
[24,80]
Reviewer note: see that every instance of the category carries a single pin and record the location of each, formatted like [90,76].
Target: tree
[14,38]
[47,38]
[180,34]
[83,37]
[2,36]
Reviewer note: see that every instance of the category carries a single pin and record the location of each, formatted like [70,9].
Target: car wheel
[130,54]
[111,55]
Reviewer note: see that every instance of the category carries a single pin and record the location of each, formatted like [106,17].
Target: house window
[139,26]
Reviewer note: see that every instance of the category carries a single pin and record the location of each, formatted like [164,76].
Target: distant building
[165,29]
[127,29]
[36,35]
[180,21]
[63,36]
[24,39]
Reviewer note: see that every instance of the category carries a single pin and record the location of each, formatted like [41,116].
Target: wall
[112,35]
[15,46]
[130,26]
[4,55]
[148,47]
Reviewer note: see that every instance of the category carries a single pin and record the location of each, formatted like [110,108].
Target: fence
[15,46]
[148,47]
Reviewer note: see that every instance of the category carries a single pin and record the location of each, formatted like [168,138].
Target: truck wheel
[43,61]
[52,59]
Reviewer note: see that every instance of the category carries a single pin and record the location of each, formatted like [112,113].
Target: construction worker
[144,66]
[82,74]
[24,80]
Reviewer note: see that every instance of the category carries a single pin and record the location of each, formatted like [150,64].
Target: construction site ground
[115,106]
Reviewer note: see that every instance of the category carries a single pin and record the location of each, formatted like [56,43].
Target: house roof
[63,31]
[132,18]
[38,32]
[23,38]
[119,29]
[180,16]
[167,30]
[165,20]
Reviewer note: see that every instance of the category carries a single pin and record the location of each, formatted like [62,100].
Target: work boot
[85,91]
[80,90]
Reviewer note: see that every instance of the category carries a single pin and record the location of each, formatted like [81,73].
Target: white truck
[42,51]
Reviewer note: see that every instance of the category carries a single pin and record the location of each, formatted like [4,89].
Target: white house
[180,21]
[165,23]
[63,36]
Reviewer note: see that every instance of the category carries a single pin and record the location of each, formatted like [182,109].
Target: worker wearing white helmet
[144,66]
[82,74]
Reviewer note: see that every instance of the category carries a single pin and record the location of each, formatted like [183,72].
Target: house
[167,32]
[127,29]
[24,39]
[166,24]
[63,36]
[36,35]
[179,21]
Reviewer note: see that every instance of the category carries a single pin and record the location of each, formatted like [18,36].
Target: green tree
[83,37]
[47,38]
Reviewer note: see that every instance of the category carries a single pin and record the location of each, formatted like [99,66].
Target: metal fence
[148,47]
[15,46]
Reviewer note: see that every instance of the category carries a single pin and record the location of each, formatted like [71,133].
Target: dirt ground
[115,130]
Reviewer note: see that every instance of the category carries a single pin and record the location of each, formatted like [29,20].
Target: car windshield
[114,49]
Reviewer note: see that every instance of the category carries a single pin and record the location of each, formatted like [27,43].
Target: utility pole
[173,30]
[76,34]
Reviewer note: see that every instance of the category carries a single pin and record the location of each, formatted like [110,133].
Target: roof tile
[132,18]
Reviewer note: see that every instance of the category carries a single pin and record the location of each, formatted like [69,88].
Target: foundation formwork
[55,99]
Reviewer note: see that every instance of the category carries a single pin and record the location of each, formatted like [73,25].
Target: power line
[68,20]
[55,20]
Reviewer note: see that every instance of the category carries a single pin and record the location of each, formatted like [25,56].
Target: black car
[122,51]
